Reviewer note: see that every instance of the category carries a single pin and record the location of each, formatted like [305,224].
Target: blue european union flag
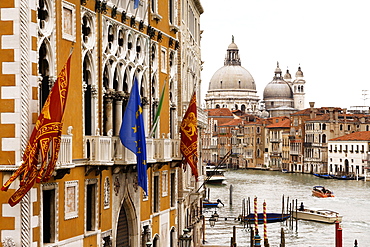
[132,134]
[136,4]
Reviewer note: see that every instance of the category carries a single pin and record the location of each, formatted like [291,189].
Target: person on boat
[301,207]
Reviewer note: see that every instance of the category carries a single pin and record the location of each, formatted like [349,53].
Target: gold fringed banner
[189,136]
[45,136]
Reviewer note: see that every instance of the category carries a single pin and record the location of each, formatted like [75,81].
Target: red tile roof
[356,136]
[220,112]
[282,124]
[233,122]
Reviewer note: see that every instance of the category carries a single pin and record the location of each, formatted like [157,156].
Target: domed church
[282,96]
[232,86]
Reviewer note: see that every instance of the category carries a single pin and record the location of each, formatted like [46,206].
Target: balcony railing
[109,150]
[98,149]
[162,150]
[294,152]
[275,139]
[65,152]
[175,148]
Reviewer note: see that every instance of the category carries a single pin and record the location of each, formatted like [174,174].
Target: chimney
[312,111]
[345,114]
[331,109]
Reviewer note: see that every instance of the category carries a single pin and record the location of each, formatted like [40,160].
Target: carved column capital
[109,95]
[120,96]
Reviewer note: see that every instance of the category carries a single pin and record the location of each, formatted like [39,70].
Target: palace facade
[93,197]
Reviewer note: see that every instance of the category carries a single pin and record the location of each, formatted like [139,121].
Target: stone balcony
[106,150]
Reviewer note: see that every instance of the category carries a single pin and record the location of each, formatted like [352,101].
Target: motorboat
[321,191]
[319,215]
[215,175]
[270,218]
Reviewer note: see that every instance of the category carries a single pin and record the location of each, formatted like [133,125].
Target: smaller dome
[287,75]
[278,90]
[277,70]
[232,46]
[299,72]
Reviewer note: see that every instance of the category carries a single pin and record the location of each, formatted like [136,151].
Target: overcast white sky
[330,39]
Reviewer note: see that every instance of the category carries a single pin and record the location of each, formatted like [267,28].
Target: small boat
[326,176]
[215,175]
[270,217]
[349,177]
[319,215]
[321,191]
[209,204]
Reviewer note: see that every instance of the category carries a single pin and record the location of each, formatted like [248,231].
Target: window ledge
[174,28]
[91,233]
[156,17]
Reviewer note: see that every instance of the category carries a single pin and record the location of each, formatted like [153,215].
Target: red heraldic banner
[189,136]
[45,139]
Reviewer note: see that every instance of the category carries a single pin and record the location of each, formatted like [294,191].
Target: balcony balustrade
[65,152]
[98,150]
[109,150]
[294,152]
[276,154]
[275,139]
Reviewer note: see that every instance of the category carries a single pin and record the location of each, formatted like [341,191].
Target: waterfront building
[349,154]
[254,142]
[186,81]
[327,123]
[274,139]
[229,141]
[210,140]
[93,197]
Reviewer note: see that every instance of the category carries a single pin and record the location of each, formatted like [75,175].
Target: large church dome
[232,86]
[232,78]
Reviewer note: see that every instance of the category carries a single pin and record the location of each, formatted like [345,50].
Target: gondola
[270,218]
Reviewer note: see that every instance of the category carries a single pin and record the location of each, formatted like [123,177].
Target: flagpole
[157,114]
[215,169]
[128,5]
[70,54]
[147,6]
[72,48]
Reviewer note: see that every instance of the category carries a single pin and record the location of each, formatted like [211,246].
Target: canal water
[352,200]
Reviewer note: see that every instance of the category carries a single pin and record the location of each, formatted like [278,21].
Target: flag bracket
[98,169]
[60,173]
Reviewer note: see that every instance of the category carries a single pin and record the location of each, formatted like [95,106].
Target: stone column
[94,108]
[108,102]
[119,97]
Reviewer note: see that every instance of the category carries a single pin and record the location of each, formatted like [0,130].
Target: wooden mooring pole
[296,219]
[282,238]
[231,194]
[252,237]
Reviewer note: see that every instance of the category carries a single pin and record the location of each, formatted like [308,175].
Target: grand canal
[352,200]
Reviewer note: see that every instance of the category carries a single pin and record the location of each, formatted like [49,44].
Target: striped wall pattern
[18,100]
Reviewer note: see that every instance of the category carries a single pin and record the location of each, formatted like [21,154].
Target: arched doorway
[346,167]
[123,230]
